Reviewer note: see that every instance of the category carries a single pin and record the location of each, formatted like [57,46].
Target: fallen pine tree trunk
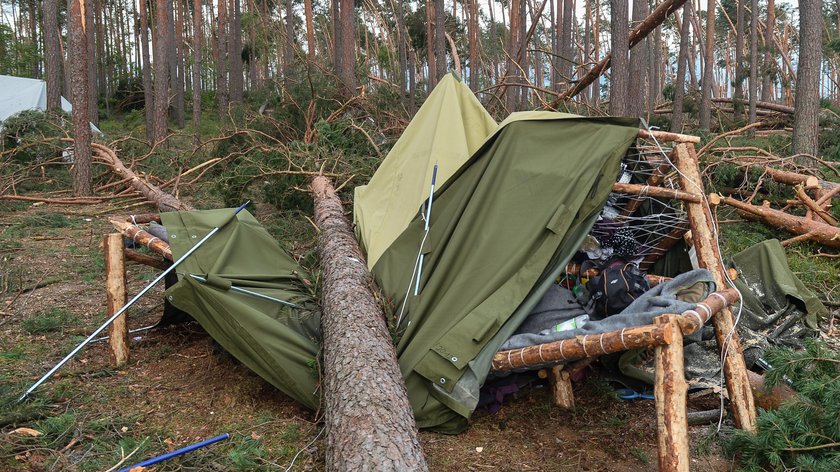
[370,423]
[811,230]
[765,105]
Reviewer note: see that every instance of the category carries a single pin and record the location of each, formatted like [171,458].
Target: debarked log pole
[658,192]
[370,423]
[116,296]
[812,230]
[668,137]
[708,257]
[144,238]
[670,390]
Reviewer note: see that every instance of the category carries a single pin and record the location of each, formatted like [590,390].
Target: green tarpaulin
[501,230]
[446,131]
[277,342]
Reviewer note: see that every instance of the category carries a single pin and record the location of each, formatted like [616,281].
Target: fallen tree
[370,423]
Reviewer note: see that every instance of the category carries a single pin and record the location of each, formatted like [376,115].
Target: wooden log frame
[595,345]
[708,257]
[112,245]
[658,192]
[670,391]
[143,237]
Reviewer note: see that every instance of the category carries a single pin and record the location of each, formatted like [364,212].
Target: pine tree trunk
[176,78]
[370,423]
[235,52]
[474,33]
[52,57]
[161,71]
[196,68]
[807,103]
[310,31]
[347,48]
[222,58]
[753,61]
[708,71]
[93,95]
[769,63]
[638,67]
[78,42]
[738,93]
[440,40]
[566,46]
[619,64]
[682,58]
[148,97]
[655,71]
[289,51]
[402,47]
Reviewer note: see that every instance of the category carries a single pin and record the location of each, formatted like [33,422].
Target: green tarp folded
[277,342]
[501,230]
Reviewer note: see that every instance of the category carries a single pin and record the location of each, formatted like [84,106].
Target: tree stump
[370,423]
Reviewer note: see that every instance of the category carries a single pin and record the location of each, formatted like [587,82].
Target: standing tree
[769,63]
[93,94]
[196,68]
[161,72]
[807,103]
[682,59]
[148,97]
[289,50]
[77,32]
[176,79]
[310,31]
[222,59]
[346,47]
[753,60]
[52,55]
[638,66]
[738,93]
[235,52]
[440,40]
[619,64]
[708,70]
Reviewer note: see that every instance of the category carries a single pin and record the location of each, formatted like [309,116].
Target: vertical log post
[115,286]
[708,256]
[370,423]
[561,386]
[670,391]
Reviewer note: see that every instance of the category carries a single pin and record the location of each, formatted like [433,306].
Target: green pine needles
[803,434]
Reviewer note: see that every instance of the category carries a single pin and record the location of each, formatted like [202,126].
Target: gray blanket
[559,304]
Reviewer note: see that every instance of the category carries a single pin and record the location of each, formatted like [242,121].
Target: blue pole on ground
[177,452]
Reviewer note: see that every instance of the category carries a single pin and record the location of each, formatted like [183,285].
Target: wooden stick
[144,218]
[561,387]
[144,259]
[708,257]
[659,192]
[664,245]
[144,238]
[670,390]
[668,137]
[116,296]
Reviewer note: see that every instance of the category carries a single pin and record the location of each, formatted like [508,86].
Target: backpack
[615,287]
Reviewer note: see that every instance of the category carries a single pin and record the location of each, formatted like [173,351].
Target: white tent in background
[19,94]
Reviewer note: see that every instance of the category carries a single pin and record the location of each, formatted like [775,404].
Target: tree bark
[235,52]
[753,86]
[289,49]
[670,391]
[148,97]
[176,79]
[52,55]
[708,71]
[679,83]
[77,38]
[116,297]
[807,102]
[310,31]
[370,423]
[620,67]
[161,72]
[347,48]
[222,58]
[638,64]
[196,68]
[738,93]
[93,94]
[768,74]
[440,40]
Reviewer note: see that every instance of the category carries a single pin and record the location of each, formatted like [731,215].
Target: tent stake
[127,305]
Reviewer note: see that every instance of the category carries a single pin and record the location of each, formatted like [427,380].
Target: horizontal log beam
[668,137]
[658,192]
[144,238]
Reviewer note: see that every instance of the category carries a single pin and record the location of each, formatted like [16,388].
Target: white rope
[584,346]
[622,340]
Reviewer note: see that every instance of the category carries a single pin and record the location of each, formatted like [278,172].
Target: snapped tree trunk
[370,423]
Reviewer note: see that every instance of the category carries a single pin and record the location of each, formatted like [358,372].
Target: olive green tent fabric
[447,130]
[277,342]
[501,230]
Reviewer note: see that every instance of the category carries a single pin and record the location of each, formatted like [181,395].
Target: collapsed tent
[278,342]
[502,229]
[19,94]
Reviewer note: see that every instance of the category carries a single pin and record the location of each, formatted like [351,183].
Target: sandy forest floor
[180,387]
